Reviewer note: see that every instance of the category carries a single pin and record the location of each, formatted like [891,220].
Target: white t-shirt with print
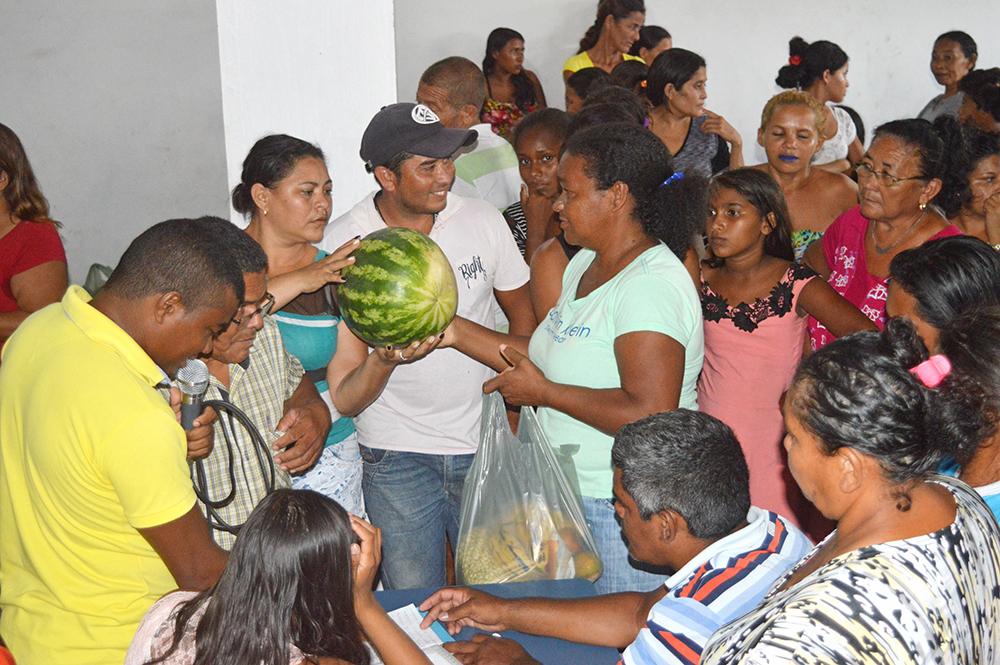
[433,405]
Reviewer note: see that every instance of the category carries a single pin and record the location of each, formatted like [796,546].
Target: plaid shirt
[259,388]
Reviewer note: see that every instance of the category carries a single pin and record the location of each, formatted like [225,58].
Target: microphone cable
[262,454]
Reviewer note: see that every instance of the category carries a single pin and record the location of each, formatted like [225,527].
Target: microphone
[192,379]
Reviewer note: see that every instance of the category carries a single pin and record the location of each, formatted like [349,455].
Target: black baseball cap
[413,128]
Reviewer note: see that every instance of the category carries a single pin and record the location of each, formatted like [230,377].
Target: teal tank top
[312,338]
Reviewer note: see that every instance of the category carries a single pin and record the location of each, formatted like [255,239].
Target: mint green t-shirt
[574,345]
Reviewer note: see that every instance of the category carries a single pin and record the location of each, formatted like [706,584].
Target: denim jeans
[337,474]
[415,499]
[619,572]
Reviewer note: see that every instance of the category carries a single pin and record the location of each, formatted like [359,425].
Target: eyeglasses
[886,179]
[264,309]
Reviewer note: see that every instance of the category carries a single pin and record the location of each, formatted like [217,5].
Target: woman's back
[927,599]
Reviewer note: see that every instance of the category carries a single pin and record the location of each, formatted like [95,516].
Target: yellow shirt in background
[89,452]
[583,61]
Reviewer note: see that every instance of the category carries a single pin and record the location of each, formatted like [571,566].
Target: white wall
[318,70]
[744,43]
[118,105]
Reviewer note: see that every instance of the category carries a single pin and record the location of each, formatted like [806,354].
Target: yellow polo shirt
[89,452]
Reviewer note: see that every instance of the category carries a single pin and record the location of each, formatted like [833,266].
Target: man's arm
[357,377]
[516,305]
[612,620]
[186,547]
[305,421]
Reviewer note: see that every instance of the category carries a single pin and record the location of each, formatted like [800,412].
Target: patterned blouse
[503,116]
[933,598]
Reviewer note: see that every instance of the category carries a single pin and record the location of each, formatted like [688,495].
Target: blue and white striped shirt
[722,583]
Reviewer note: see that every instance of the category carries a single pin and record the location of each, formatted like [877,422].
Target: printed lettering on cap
[423,115]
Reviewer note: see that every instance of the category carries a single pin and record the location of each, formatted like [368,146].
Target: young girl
[755,300]
[297,590]
[791,133]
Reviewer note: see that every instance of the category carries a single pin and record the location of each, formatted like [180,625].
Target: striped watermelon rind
[400,288]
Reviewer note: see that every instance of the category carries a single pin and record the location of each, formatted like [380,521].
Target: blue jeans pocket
[372,456]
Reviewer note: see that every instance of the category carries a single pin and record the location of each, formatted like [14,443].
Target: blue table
[547,650]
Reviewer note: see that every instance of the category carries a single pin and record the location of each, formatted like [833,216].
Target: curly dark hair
[618,152]
[858,392]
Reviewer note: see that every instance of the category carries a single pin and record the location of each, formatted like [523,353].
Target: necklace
[906,234]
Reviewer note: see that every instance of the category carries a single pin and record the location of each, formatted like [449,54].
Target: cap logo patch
[423,115]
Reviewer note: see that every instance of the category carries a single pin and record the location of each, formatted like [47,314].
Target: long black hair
[766,196]
[670,208]
[618,9]
[288,582]
[524,92]
[807,62]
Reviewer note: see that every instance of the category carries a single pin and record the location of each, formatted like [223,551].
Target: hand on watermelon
[521,384]
[327,270]
[404,355]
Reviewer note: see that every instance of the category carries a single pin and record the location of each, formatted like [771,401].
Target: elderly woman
[948,290]
[284,190]
[791,133]
[625,337]
[912,572]
[702,142]
[32,260]
[898,179]
[607,42]
[954,55]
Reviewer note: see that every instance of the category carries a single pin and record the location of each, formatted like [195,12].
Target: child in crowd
[297,589]
[755,300]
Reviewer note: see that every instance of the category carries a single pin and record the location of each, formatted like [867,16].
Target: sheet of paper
[430,640]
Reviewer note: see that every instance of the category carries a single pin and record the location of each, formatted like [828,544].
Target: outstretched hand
[458,607]
[522,383]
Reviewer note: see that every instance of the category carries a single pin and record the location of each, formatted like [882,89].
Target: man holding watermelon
[417,413]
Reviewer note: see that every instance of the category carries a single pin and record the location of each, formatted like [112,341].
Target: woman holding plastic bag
[624,339]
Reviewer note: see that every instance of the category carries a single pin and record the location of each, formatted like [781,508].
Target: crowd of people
[740,360]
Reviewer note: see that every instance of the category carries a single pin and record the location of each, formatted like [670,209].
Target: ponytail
[618,9]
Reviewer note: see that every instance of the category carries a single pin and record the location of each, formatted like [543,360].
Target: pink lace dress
[844,250]
[751,351]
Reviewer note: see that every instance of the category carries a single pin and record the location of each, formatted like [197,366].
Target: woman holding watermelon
[624,339]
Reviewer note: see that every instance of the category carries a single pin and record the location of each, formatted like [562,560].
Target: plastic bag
[96,277]
[521,519]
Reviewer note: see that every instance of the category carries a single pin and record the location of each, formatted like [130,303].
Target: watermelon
[401,288]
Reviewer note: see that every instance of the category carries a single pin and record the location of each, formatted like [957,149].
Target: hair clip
[795,60]
[674,177]
[932,371]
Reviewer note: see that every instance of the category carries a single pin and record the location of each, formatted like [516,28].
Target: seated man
[455,89]
[97,515]
[682,495]
[250,368]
